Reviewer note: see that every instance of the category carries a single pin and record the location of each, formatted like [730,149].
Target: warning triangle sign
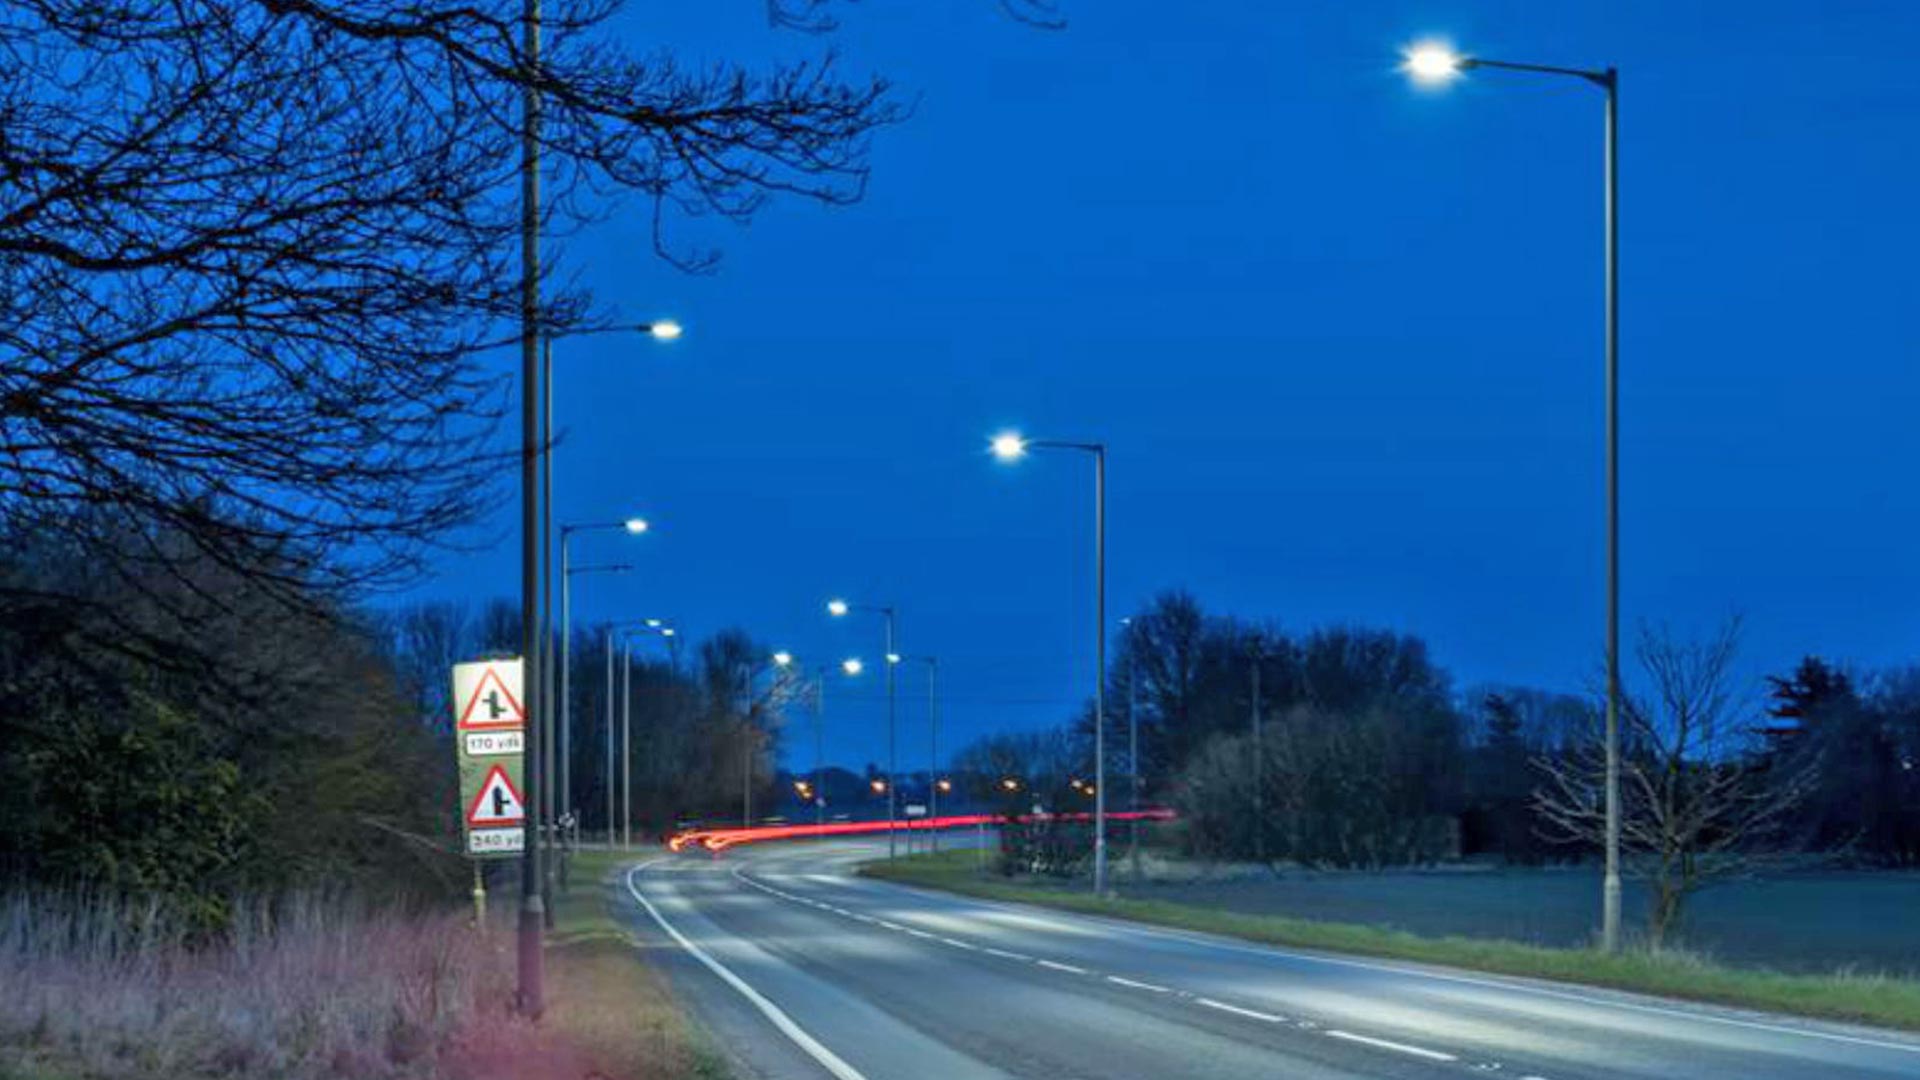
[491,705]
[497,804]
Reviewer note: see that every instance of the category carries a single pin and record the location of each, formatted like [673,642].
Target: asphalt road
[803,970]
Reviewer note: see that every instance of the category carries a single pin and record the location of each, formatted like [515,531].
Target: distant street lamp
[1010,447]
[839,609]
[933,742]
[632,526]
[1435,63]
[622,632]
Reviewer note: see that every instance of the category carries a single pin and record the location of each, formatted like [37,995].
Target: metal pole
[819,746]
[1610,888]
[549,816]
[532,996]
[893,758]
[746,753]
[1259,767]
[626,747]
[1133,749]
[1100,672]
[609,712]
[566,686]
[933,750]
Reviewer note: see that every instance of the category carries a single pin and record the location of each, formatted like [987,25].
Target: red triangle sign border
[486,786]
[491,674]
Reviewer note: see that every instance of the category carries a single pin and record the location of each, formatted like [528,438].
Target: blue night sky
[1343,336]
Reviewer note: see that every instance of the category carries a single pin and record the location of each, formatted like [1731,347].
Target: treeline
[1368,756]
[200,731]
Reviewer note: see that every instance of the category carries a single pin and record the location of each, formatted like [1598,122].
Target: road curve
[804,970]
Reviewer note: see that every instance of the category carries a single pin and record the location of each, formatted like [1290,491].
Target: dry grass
[323,987]
[1843,995]
[309,987]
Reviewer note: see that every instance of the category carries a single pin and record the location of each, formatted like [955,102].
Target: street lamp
[536,556]
[934,786]
[1434,63]
[1011,446]
[817,790]
[840,609]
[633,526]
[622,632]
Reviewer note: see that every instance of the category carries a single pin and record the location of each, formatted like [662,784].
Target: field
[1808,922]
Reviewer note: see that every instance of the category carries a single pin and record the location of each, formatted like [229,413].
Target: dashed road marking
[1057,966]
[1238,1011]
[1138,985]
[1416,1051]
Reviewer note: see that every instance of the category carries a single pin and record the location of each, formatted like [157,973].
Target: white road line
[890,925]
[1118,981]
[811,1046]
[958,944]
[1416,1051]
[1009,955]
[1068,968]
[1238,1011]
[920,933]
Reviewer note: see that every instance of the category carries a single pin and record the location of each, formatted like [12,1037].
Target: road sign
[487,702]
[490,746]
[499,803]
[914,809]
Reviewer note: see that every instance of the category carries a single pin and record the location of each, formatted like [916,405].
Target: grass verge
[607,1001]
[1863,998]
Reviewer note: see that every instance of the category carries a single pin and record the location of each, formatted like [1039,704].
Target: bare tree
[249,248]
[1695,807]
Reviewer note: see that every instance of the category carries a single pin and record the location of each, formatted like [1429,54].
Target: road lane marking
[1238,1011]
[958,944]
[1022,957]
[1137,985]
[1057,966]
[813,1048]
[1416,1051]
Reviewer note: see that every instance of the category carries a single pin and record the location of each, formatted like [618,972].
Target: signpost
[490,742]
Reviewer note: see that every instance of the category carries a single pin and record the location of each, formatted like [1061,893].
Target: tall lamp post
[933,744]
[839,609]
[632,527]
[664,330]
[1011,447]
[622,633]
[1435,64]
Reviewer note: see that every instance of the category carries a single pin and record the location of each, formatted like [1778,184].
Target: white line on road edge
[1416,1051]
[828,1059]
[1238,1011]
[1004,954]
[1057,966]
[1117,980]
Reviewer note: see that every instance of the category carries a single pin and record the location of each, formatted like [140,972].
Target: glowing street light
[837,608]
[1432,63]
[1009,446]
[1008,783]
[852,665]
[879,786]
[635,526]
[783,658]
[664,330]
